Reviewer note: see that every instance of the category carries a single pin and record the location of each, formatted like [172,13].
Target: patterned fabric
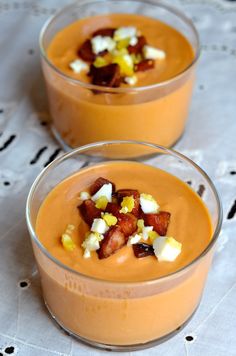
[26,146]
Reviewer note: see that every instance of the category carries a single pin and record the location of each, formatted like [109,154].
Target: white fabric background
[210,139]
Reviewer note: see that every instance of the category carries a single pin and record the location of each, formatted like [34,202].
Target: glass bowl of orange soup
[123,302]
[152,104]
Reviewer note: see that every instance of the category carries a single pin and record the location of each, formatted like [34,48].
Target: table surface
[26,146]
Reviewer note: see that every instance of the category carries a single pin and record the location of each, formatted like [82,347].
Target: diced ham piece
[113,240]
[98,185]
[143,250]
[127,223]
[113,209]
[138,47]
[89,211]
[106,76]
[85,52]
[106,32]
[144,65]
[159,221]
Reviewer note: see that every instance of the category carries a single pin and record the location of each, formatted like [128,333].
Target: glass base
[68,148]
[127,348]
[58,138]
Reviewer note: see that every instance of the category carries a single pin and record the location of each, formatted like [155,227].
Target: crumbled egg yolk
[66,239]
[123,43]
[119,52]
[101,203]
[126,64]
[152,236]
[100,62]
[136,58]
[127,204]
[140,224]
[67,242]
[109,219]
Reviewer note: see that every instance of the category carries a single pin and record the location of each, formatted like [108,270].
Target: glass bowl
[83,113]
[100,312]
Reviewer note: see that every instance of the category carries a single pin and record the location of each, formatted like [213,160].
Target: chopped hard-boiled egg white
[134,239]
[133,41]
[99,225]
[148,204]
[104,191]
[91,243]
[84,196]
[87,253]
[166,248]
[78,66]
[131,80]
[153,53]
[124,32]
[102,43]
[67,242]
[145,232]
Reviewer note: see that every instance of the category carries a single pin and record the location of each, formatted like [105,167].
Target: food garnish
[166,248]
[111,56]
[143,250]
[125,217]
[66,238]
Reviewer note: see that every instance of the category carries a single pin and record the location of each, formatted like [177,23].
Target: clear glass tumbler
[86,307]
[84,113]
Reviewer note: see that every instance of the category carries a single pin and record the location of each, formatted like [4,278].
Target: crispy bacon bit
[106,76]
[127,223]
[99,183]
[85,52]
[144,65]
[121,193]
[89,211]
[113,240]
[159,221]
[139,45]
[108,31]
[143,250]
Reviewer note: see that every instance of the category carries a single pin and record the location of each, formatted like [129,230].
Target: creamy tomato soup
[108,313]
[144,111]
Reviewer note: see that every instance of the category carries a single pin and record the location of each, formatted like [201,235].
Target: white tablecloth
[26,146]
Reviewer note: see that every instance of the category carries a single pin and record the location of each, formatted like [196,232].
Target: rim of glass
[100,144]
[90,86]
